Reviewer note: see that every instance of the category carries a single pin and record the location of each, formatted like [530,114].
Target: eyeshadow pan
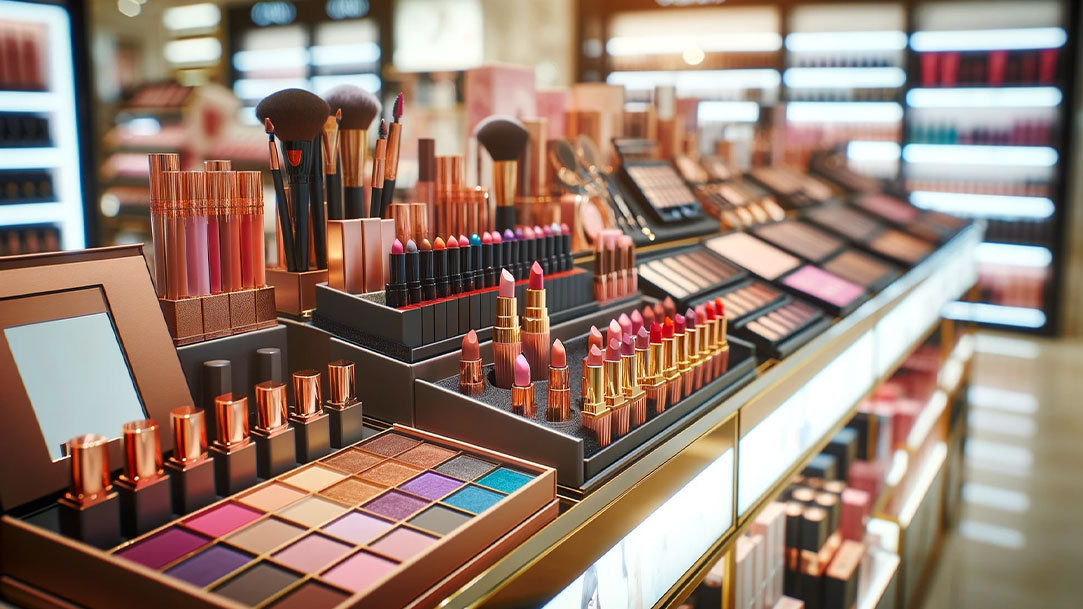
[257,584]
[439,519]
[395,505]
[311,595]
[858,267]
[823,285]
[426,455]
[352,491]
[209,566]
[352,461]
[473,499]
[271,497]
[390,473]
[163,548]
[265,535]
[505,480]
[403,544]
[846,221]
[313,511]
[359,572]
[222,519]
[431,485]
[357,527]
[465,468]
[311,553]
[390,444]
[315,478]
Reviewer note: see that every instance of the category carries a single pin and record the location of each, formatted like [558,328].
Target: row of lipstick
[148,492]
[420,273]
[615,273]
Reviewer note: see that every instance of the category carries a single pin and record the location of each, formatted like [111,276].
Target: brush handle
[334,197]
[284,220]
[354,202]
[374,203]
[319,224]
[504,218]
[301,198]
[387,197]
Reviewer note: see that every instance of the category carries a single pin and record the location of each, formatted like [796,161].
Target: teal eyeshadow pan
[505,480]
[473,499]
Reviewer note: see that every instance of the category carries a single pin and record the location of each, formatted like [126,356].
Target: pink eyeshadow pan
[222,519]
[403,544]
[272,497]
[358,527]
[359,572]
[823,285]
[312,553]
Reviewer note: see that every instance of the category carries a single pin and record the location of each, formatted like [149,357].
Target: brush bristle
[383,128]
[297,114]
[358,106]
[503,136]
[397,109]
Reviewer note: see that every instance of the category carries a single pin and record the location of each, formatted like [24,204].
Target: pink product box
[551,104]
[498,89]
[855,509]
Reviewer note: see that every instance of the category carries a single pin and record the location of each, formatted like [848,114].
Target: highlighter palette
[373,525]
[686,273]
[774,321]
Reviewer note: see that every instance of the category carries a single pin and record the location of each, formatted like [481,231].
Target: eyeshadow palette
[795,189]
[851,223]
[899,246]
[928,225]
[837,295]
[686,273]
[775,321]
[758,256]
[866,270]
[373,525]
[659,184]
[800,239]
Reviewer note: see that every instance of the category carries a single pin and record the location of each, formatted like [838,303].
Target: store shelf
[31,213]
[984,97]
[877,575]
[996,315]
[29,101]
[983,205]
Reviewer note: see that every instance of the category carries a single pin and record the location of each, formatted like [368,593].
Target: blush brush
[505,139]
[359,108]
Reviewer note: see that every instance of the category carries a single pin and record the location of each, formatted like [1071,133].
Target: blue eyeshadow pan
[504,480]
[473,499]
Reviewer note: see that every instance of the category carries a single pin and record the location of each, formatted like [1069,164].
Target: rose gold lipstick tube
[559,398]
[419,221]
[694,337]
[506,343]
[535,334]
[614,396]
[160,162]
[191,472]
[613,280]
[471,377]
[684,364]
[673,376]
[143,486]
[633,393]
[233,451]
[633,270]
[343,408]
[310,423]
[89,510]
[597,417]
[624,255]
[601,271]
[274,438]
[522,400]
[655,379]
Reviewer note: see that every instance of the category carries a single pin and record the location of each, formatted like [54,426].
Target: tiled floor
[1019,542]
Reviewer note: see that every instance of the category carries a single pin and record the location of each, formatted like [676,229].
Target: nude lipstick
[594,339]
[522,391]
[143,487]
[684,365]
[311,425]
[693,334]
[597,417]
[471,377]
[535,334]
[673,377]
[191,471]
[636,320]
[506,344]
[343,408]
[637,376]
[90,510]
[275,445]
[559,399]
[657,392]
[614,388]
[233,452]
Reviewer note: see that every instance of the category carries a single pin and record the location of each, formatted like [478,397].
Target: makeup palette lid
[83,349]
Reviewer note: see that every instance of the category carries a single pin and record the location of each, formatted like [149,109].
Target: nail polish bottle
[311,425]
[90,510]
[233,451]
[145,501]
[343,408]
[191,471]
[275,452]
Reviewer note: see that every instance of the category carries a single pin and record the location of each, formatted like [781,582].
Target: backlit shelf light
[873,151]
[698,80]
[815,42]
[1013,254]
[952,154]
[843,112]
[983,97]
[989,40]
[985,313]
[844,78]
[730,42]
[983,205]
[728,112]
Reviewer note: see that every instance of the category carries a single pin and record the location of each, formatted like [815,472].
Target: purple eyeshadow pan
[431,485]
[395,505]
[209,566]
[163,548]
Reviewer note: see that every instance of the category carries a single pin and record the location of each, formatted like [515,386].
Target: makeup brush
[378,161]
[281,202]
[333,181]
[504,138]
[298,117]
[391,169]
[359,108]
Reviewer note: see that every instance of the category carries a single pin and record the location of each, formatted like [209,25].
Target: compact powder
[209,566]
[257,584]
[440,519]
[757,256]
[395,505]
[358,527]
[474,499]
[390,473]
[390,444]
[265,535]
[315,478]
[426,455]
[163,548]
[431,485]
[828,287]
[312,553]
[311,595]
[313,511]
[465,468]
[352,461]
[271,497]
[352,491]
[360,571]
[222,518]
[402,544]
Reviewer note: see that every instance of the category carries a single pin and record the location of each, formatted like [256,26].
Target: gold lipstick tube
[694,337]
[471,377]
[143,486]
[274,438]
[597,417]
[684,364]
[535,334]
[191,471]
[506,343]
[673,376]
[633,271]
[343,408]
[633,392]
[706,348]
[614,397]
[657,388]
[233,451]
[722,358]
[90,510]
[624,255]
[353,143]
[522,400]
[558,406]
[311,424]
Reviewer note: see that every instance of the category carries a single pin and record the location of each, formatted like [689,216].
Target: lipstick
[636,319]
[694,339]
[428,277]
[413,273]
[541,252]
[613,281]
[455,280]
[655,379]
[673,377]
[684,364]
[191,471]
[506,344]
[440,262]
[558,405]
[471,376]
[566,246]
[477,261]
[522,391]
[648,317]
[275,446]
[669,308]
[597,417]
[487,259]
[594,339]
[90,510]
[342,407]
[614,388]
[626,326]
[233,452]
[535,334]
[659,312]
[637,374]
[466,264]
[723,357]
[634,397]
[705,326]
[312,427]
[143,486]
[395,291]
[531,241]
[511,251]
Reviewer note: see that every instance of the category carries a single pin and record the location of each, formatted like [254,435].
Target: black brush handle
[334,197]
[319,224]
[284,220]
[301,198]
[354,202]
[374,203]
[504,218]
[387,197]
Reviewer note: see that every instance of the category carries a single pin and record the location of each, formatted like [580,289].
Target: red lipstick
[535,332]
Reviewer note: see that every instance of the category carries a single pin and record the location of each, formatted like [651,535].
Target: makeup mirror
[562,157]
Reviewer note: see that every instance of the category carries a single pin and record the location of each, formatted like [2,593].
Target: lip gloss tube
[535,333]
[471,375]
[506,344]
[90,510]
[558,405]
[594,339]
[596,416]
[215,197]
[343,408]
[174,189]
[233,452]
[191,471]
[522,391]
[145,503]
[614,388]
[613,280]
[637,377]
[195,222]
[159,199]
[311,425]
[693,338]
[248,199]
[673,377]
[275,450]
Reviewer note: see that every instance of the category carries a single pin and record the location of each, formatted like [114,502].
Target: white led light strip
[983,206]
[989,40]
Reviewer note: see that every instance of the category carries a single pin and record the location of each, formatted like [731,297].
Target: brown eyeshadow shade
[858,267]
[257,584]
[846,221]
[352,461]
[426,455]
[390,473]
[311,595]
[901,246]
[390,444]
[801,239]
[352,491]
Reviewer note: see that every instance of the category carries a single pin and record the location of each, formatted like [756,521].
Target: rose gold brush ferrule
[189,437]
[394,139]
[329,141]
[142,454]
[471,377]
[558,407]
[506,343]
[638,380]
[89,470]
[352,145]
[657,388]
[271,409]
[522,400]
[379,162]
[306,394]
[535,334]
[505,180]
[596,416]
[624,279]
[231,423]
[633,392]
[684,364]
[673,376]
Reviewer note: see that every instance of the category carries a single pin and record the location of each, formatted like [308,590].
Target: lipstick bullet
[275,445]
[506,342]
[559,399]
[143,486]
[90,510]
[440,259]
[596,416]
[522,391]
[614,388]
[705,324]
[673,376]
[343,408]
[233,452]
[395,292]
[638,376]
[471,376]
[669,308]
[594,339]
[191,471]
[636,320]
[535,332]
[684,365]
[312,427]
